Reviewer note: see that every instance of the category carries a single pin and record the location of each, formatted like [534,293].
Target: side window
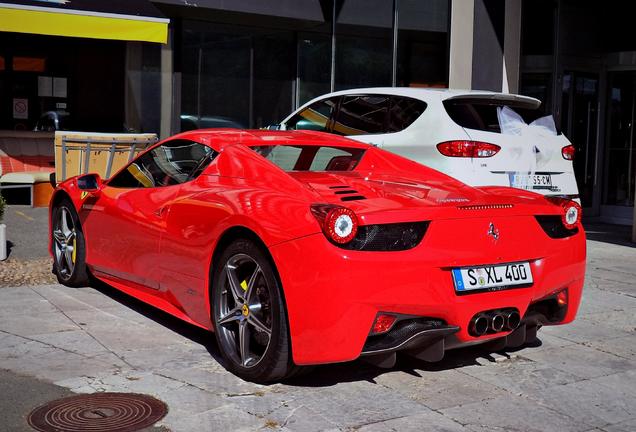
[362,115]
[404,111]
[332,159]
[315,117]
[171,163]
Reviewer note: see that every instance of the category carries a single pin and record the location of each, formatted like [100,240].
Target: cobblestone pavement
[580,377]
[29,262]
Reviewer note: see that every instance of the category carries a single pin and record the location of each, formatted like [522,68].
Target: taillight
[568,152]
[572,211]
[470,149]
[339,224]
[383,323]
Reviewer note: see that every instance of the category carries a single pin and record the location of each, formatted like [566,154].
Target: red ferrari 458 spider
[300,248]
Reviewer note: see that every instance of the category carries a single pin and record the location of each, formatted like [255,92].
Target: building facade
[248,63]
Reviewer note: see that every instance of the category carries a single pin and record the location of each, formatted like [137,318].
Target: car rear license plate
[492,278]
[534,181]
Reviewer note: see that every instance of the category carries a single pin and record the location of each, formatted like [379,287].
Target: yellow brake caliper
[74,254]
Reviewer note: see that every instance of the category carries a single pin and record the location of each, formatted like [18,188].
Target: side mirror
[89,182]
[273,127]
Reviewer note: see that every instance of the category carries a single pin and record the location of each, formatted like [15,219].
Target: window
[172,163]
[315,117]
[404,111]
[311,158]
[362,115]
[482,114]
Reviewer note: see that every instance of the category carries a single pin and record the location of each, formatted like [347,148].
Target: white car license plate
[492,277]
[534,181]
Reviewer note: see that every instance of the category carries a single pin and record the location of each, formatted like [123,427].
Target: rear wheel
[250,320]
[69,251]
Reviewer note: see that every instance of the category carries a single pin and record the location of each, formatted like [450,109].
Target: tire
[247,302]
[69,248]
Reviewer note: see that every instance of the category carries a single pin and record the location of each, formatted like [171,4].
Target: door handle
[159,212]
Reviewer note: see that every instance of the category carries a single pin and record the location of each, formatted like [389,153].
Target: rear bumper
[333,295]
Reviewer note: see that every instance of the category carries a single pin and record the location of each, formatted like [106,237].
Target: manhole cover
[107,412]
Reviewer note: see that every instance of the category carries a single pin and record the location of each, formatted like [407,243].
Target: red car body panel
[157,244]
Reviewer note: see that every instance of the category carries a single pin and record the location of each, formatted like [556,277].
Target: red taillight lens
[562,297]
[471,149]
[383,323]
[568,152]
[572,211]
[339,224]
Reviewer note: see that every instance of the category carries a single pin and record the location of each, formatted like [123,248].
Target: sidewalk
[580,377]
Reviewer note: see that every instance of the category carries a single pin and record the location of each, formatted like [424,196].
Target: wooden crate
[79,153]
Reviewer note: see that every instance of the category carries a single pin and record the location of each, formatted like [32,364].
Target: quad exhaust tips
[478,325]
[512,319]
[494,322]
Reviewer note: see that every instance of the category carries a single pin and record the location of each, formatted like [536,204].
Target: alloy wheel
[65,243]
[244,317]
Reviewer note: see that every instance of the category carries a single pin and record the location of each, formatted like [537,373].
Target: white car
[481,138]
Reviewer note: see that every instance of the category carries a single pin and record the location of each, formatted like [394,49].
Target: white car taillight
[471,149]
[568,152]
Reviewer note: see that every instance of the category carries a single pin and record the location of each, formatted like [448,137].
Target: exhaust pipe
[478,325]
[512,319]
[496,322]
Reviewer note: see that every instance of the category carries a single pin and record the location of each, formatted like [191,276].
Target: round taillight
[341,225]
[571,215]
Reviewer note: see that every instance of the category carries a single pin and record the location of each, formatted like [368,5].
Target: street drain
[107,412]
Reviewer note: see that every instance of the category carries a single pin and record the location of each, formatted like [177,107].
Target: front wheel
[249,314]
[69,252]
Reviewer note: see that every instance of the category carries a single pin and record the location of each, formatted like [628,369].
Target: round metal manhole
[104,412]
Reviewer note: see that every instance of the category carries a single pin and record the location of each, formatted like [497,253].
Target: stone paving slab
[579,377]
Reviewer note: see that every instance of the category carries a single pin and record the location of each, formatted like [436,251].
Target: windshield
[311,158]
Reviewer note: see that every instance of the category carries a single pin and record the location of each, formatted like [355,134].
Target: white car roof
[428,94]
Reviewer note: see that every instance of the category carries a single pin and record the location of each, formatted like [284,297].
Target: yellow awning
[67,20]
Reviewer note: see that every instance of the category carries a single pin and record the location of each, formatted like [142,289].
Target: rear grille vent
[344,192]
[338,187]
[485,207]
[352,198]
[553,227]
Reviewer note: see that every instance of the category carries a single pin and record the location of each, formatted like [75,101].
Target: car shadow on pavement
[323,375]
[196,334]
[359,370]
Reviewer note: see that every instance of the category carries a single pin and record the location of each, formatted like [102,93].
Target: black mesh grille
[553,227]
[401,331]
[388,237]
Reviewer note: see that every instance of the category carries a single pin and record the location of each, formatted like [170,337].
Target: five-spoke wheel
[249,314]
[68,245]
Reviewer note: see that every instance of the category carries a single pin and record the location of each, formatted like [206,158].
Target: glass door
[579,119]
[621,143]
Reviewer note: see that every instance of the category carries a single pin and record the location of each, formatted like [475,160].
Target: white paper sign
[59,87]
[20,108]
[45,86]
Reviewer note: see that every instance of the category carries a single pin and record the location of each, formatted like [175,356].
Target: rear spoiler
[513,100]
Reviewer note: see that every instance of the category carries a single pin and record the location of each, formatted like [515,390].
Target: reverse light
[383,323]
[572,212]
[568,152]
[339,224]
[470,149]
